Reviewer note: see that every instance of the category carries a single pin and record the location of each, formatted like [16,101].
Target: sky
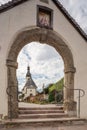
[46,65]
[78,10]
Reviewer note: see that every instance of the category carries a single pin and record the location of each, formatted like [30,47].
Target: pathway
[77,127]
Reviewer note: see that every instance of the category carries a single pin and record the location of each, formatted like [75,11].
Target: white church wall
[29,92]
[23,16]
[24,90]
[11,22]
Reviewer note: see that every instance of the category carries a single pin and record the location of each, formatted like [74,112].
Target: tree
[51,97]
[56,91]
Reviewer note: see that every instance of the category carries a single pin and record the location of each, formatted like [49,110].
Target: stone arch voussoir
[41,35]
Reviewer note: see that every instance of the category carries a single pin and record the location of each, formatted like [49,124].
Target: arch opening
[51,38]
[46,69]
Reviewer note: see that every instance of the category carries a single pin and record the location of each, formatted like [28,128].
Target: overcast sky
[78,10]
[45,63]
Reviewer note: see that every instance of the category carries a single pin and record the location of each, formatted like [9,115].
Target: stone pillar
[12,89]
[69,103]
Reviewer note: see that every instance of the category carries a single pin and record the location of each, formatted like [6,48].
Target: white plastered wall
[27,91]
[30,91]
[24,15]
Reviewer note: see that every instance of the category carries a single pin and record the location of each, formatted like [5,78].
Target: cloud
[4,1]
[78,10]
[46,65]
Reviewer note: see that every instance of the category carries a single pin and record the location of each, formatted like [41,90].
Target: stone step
[43,122]
[39,111]
[40,116]
[41,108]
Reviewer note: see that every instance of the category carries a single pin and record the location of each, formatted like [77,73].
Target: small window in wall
[31,94]
[44,17]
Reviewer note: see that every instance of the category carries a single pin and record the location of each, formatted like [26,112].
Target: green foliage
[59,97]
[57,86]
[44,102]
[21,96]
[55,91]
[51,97]
[46,90]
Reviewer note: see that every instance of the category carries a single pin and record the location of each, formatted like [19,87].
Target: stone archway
[50,37]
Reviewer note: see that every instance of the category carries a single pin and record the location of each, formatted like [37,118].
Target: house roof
[14,3]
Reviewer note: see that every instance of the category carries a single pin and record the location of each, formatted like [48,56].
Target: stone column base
[70,108]
[13,111]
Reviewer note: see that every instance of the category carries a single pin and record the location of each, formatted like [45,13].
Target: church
[30,88]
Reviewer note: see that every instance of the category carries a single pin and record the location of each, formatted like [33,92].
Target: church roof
[14,3]
[30,84]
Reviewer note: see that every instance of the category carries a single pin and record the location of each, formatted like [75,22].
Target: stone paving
[74,127]
[31,105]
[39,127]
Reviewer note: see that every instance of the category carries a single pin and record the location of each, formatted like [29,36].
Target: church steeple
[29,81]
[28,75]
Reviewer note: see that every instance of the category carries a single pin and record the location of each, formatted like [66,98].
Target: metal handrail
[81,93]
[10,96]
[77,90]
[7,91]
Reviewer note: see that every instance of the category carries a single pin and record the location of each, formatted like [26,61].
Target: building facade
[44,21]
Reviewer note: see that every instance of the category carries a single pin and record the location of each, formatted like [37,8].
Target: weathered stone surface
[45,1]
[70,107]
[12,91]
[43,36]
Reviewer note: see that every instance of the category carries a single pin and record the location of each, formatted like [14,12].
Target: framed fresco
[44,17]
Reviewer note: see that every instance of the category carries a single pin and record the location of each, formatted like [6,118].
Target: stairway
[42,113]
[46,116]
[43,116]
